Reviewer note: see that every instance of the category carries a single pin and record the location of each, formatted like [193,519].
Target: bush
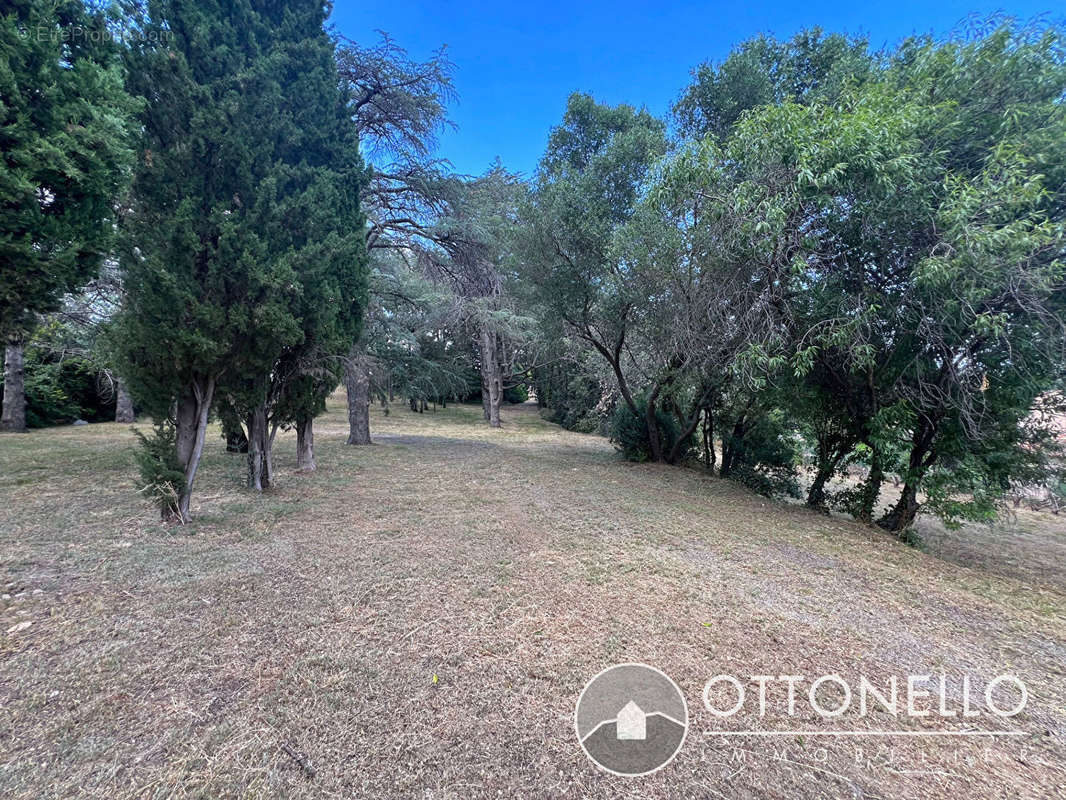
[161,474]
[59,392]
[573,397]
[516,394]
[764,459]
[46,401]
[769,480]
[513,394]
[629,432]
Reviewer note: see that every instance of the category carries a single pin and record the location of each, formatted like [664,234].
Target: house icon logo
[631,719]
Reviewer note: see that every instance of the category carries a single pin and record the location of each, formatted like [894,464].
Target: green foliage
[518,393]
[587,183]
[763,455]
[47,399]
[911,538]
[410,337]
[244,252]
[629,432]
[862,252]
[64,122]
[916,217]
[64,378]
[571,392]
[577,409]
[810,67]
[512,394]
[161,474]
[59,392]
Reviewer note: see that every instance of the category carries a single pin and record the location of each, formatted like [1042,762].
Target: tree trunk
[260,464]
[185,417]
[123,403]
[921,458]
[709,456]
[491,376]
[903,513]
[357,382]
[614,358]
[232,430]
[688,427]
[652,425]
[190,415]
[833,448]
[305,445]
[816,494]
[871,490]
[731,445]
[185,425]
[13,419]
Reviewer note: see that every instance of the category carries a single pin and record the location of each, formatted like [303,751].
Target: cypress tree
[245,255]
[64,158]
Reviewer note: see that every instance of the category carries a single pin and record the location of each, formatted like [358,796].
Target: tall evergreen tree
[399,106]
[473,254]
[65,158]
[245,247]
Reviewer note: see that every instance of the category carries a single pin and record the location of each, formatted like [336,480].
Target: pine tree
[65,157]
[245,254]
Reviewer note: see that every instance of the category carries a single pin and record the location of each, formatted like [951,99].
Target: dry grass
[417,618]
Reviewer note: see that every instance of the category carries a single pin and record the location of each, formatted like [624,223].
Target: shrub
[769,480]
[516,394]
[574,401]
[59,392]
[161,472]
[764,459]
[46,401]
[629,432]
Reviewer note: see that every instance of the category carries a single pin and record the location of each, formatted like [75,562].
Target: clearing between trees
[417,619]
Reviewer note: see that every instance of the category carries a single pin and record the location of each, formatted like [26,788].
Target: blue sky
[516,62]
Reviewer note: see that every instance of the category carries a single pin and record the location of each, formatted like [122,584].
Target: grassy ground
[417,618]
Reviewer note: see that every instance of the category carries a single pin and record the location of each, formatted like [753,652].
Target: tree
[399,106]
[924,210]
[587,185]
[244,246]
[662,276]
[472,251]
[810,67]
[410,345]
[988,294]
[65,144]
[69,371]
[706,293]
[870,246]
[761,71]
